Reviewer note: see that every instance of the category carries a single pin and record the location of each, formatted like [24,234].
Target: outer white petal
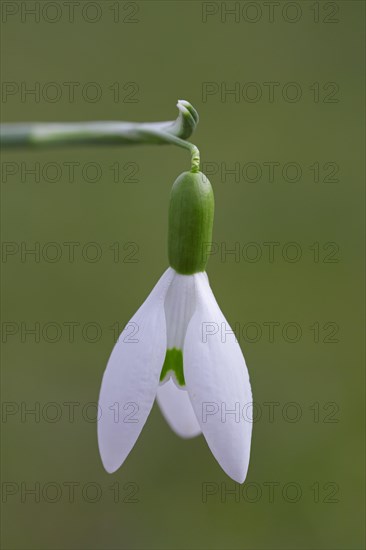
[131,378]
[218,382]
[177,410]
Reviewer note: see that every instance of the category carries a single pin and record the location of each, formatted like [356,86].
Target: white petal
[131,378]
[177,410]
[179,308]
[218,382]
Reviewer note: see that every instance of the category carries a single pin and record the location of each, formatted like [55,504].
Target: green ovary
[173,362]
[191,213]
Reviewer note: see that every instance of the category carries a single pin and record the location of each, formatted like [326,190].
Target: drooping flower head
[184,352]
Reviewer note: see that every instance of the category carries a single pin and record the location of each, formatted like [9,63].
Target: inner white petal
[179,307]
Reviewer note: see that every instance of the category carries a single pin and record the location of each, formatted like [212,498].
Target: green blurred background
[169,52]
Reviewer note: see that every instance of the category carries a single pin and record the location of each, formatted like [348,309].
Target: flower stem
[106,133]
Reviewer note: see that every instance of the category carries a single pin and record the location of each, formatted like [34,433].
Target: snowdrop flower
[199,377]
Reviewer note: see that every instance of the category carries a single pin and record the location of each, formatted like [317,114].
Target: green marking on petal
[173,361]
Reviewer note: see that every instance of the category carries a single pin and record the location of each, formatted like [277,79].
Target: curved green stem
[106,133]
[169,138]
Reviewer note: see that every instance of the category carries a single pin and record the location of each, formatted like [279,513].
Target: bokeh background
[310,452]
